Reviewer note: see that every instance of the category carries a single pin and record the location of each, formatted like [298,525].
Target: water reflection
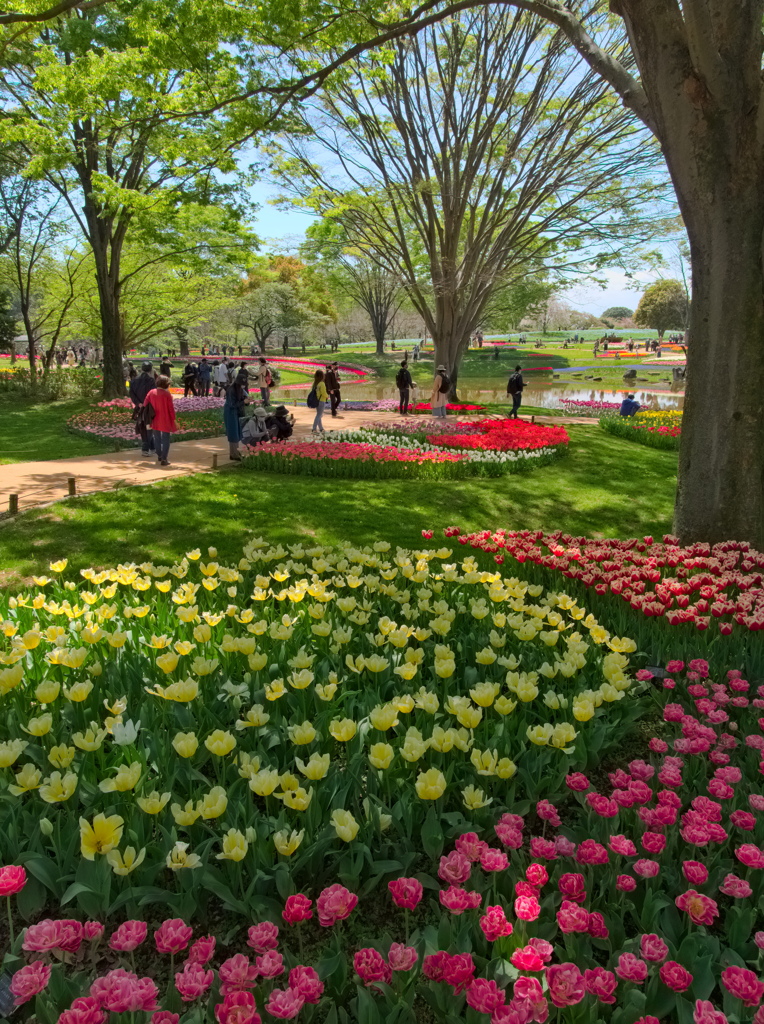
[545,396]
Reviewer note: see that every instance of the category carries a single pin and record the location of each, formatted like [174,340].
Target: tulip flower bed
[581,406]
[716,588]
[196,417]
[306,714]
[633,901]
[655,429]
[487,448]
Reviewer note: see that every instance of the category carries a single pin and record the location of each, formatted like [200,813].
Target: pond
[546,394]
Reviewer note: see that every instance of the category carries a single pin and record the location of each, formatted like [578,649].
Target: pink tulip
[28,981]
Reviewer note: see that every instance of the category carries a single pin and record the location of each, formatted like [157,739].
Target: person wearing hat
[629,406]
[139,388]
[332,380]
[440,388]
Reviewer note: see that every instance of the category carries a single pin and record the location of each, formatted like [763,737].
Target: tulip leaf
[432,835]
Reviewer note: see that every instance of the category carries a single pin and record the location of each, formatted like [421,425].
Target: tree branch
[64,7]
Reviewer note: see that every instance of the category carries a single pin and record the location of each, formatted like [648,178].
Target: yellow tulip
[264,782]
[255,718]
[287,843]
[474,798]
[406,670]
[342,729]
[384,717]
[126,778]
[79,691]
[540,734]
[91,739]
[326,691]
[564,734]
[127,861]
[381,755]
[185,744]
[183,692]
[47,691]
[275,689]
[178,858]
[61,756]
[214,803]
[202,633]
[31,639]
[345,825]
[10,678]
[154,802]
[257,662]
[469,717]
[220,743]
[426,701]
[10,751]
[300,680]
[583,709]
[235,846]
[58,788]
[296,799]
[316,768]
[302,734]
[414,745]
[484,761]
[39,726]
[444,667]
[504,705]
[60,565]
[116,639]
[27,778]
[485,694]
[100,837]
[167,662]
[75,657]
[187,815]
[430,785]
[204,666]
[505,768]
[486,656]
[405,703]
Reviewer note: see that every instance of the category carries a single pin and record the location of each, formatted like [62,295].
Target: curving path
[39,483]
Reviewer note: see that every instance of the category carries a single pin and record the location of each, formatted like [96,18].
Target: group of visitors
[154,412]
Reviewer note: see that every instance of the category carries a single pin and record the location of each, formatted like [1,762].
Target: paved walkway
[38,483]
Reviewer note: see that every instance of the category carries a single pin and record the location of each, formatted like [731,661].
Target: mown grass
[36,431]
[604,487]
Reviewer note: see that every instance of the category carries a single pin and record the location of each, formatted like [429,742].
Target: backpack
[400,378]
[445,384]
[514,384]
[312,401]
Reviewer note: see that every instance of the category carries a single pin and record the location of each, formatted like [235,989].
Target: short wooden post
[215,460]
[13,504]
[533,419]
[72,486]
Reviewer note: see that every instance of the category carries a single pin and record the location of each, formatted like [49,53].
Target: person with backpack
[515,387]
[189,380]
[317,400]
[441,385]
[162,421]
[404,383]
[139,388]
[264,379]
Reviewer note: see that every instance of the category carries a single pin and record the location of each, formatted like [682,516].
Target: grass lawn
[605,486]
[32,432]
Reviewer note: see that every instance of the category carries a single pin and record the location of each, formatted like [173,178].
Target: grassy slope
[606,486]
[32,431]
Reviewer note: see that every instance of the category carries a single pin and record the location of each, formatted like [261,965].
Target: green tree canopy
[663,307]
[617,313]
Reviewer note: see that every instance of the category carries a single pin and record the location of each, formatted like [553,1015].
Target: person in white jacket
[440,388]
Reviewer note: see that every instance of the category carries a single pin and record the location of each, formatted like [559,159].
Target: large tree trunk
[720,493]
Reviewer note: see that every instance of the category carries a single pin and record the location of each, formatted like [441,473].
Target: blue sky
[274,225]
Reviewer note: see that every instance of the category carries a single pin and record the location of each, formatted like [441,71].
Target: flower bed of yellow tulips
[171,733]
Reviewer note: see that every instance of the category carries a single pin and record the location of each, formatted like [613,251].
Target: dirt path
[39,483]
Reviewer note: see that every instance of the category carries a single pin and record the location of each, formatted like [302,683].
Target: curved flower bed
[196,418]
[385,452]
[697,587]
[392,405]
[654,429]
[504,435]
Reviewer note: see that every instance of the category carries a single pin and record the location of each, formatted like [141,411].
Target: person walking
[317,400]
[165,367]
[163,420]
[205,374]
[235,400]
[333,387]
[515,387]
[264,380]
[189,380]
[404,383]
[139,388]
[440,388]
[221,378]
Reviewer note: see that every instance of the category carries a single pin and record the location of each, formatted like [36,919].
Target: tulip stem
[10,921]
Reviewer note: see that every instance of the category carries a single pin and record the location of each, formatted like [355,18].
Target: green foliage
[663,307]
[8,320]
[617,313]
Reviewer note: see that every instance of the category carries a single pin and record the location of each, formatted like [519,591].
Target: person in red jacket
[163,422]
